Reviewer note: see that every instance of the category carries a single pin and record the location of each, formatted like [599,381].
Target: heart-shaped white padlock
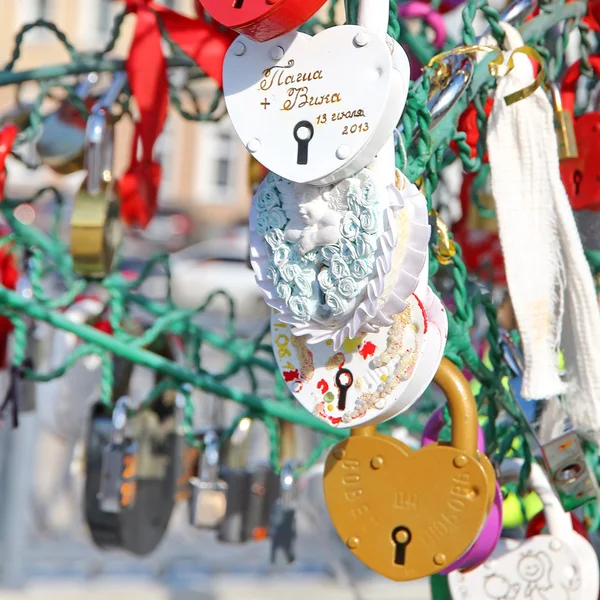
[374,376]
[561,565]
[316,109]
[338,259]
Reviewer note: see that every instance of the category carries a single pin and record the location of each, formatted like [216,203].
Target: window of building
[42,9]
[104,17]
[29,11]
[163,153]
[223,156]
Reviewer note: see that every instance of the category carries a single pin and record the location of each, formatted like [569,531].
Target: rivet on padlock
[563,126]
[208,499]
[95,225]
[562,452]
[378,498]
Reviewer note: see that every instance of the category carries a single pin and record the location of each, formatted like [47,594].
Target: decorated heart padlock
[262,20]
[335,259]
[408,514]
[560,565]
[487,540]
[373,376]
[296,107]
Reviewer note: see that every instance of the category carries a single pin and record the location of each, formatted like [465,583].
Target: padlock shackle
[559,522]
[287,439]
[434,427]
[568,88]
[462,406]
[99,137]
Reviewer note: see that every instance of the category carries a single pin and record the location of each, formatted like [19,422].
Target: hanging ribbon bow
[146,68]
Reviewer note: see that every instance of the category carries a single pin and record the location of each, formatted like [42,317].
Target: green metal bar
[81,67]
[153,361]
[214,339]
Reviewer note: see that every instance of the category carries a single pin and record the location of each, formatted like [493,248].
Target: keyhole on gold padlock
[238,3]
[401,537]
[577,179]
[303,133]
[344,380]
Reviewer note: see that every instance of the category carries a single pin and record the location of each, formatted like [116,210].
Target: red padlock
[261,20]
[481,250]
[537,524]
[581,175]
[467,123]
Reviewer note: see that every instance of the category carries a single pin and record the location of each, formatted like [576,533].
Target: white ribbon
[549,281]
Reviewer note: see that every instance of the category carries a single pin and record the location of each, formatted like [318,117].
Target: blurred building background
[205,166]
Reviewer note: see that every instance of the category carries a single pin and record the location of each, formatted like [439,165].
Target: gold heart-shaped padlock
[408,514]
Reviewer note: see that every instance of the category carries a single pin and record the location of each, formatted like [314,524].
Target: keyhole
[238,3]
[303,133]
[344,380]
[577,179]
[401,537]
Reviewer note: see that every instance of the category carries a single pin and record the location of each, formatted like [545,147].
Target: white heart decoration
[389,368]
[337,259]
[316,109]
[540,567]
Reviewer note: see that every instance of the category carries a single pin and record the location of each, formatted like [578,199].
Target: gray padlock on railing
[553,435]
[208,499]
[233,528]
[119,464]
[283,516]
[262,493]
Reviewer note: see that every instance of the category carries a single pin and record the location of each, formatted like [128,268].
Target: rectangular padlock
[562,453]
[118,477]
[233,528]
[119,464]
[263,493]
[208,499]
[283,515]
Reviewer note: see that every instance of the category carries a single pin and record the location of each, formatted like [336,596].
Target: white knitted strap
[546,270]
[520,142]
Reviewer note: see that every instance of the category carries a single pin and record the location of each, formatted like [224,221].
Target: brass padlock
[408,514]
[95,225]
[563,126]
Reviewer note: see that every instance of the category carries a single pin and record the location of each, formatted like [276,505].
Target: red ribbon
[146,68]
[8,135]
[9,276]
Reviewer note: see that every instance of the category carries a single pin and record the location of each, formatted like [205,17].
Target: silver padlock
[559,565]
[61,144]
[119,464]
[551,432]
[208,501]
